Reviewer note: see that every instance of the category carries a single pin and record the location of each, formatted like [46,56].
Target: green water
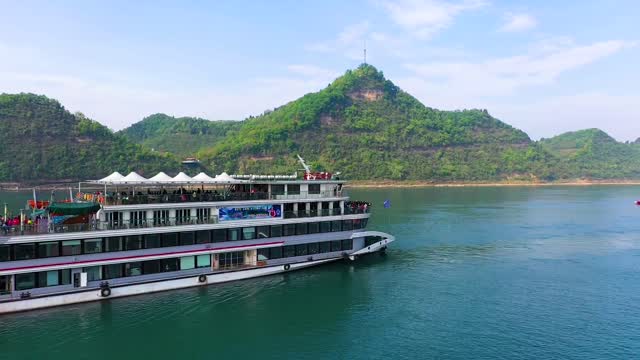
[482,273]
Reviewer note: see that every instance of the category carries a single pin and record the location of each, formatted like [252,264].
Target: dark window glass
[314,248]
[151,241]
[289,250]
[4,285]
[113,244]
[336,225]
[277,189]
[263,254]
[357,224]
[347,225]
[48,249]
[203,236]
[276,230]
[293,189]
[301,249]
[203,261]
[325,226]
[112,271]
[133,242]
[364,223]
[71,247]
[92,246]
[93,273]
[262,232]
[25,281]
[65,277]
[301,228]
[325,247]
[24,251]
[170,239]
[48,278]
[187,238]
[275,253]
[314,228]
[219,235]
[233,234]
[289,229]
[347,244]
[169,264]
[248,233]
[336,245]
[314,188]
[5,252]
[133,268]
[151,267]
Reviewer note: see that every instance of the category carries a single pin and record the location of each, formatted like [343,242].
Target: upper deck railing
[140,198]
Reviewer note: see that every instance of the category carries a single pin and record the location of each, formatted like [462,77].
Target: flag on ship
[387,204]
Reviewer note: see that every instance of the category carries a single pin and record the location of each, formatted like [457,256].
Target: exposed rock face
[366,95]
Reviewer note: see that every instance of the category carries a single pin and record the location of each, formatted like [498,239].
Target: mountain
[592,153]
[368,128]
[183,136]
[42,142]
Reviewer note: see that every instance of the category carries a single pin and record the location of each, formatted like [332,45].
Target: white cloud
[424,18]
[349,41]
[519,22]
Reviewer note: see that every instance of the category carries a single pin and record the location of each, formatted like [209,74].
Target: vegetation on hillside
[43,141]
[182,137]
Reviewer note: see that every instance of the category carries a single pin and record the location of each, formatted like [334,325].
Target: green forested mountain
[591,153]
[366,127]
[42,141]
[183,136]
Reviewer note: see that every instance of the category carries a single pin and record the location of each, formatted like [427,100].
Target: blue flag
[387,204]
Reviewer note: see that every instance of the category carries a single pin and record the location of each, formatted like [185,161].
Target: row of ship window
[225,260]
[136,242]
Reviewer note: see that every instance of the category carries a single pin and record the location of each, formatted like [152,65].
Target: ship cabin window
[314,248]
[187,262]
[357,224]
[347,225]
[113,244]
[71,247]
[49,278]
[289,229]
[313,209]
[133,242]
[48,249]
[151,267]
[24,251]
[168,265]
[231,259]
[112,271]
[325,247]
[314,188]
[94,273]
[170,239]
[42,279]
[187,238]
[301,250]
[301,229]
[25,281]
[347,244]
[293,189]
[203,237]
[5,285]
[289,250]
[114,219]
[133,268]
[314,227]
[262,254]
[203,215]
[92,246]
[137,218]
[262,232]
[248,233]
[325,226]
[302,210]
[275,253]
[336,245]
[277,189]
[203,261]
[183,216]
[233,234]
[160,217]
[276,230]
[151,241]
[5,252]
[336,225]
[219,235]
[363,222]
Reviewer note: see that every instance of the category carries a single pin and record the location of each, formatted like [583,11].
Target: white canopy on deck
[132,178]
[162,178]
[203,178]
[182,178]
[115,176]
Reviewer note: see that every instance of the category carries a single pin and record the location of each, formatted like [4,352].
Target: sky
[545,67]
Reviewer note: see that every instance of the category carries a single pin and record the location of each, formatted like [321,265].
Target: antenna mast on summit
[365,52]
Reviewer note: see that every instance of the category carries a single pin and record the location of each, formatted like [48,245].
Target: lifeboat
[38,204]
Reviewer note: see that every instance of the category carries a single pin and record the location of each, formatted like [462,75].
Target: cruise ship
[129,235]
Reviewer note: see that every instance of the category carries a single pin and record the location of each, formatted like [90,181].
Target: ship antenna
[365,51]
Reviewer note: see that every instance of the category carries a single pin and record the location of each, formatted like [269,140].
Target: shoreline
[425,184]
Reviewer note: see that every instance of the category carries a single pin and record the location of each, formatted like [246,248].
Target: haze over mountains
[361,124]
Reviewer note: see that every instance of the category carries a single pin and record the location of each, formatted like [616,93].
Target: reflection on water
[478,273]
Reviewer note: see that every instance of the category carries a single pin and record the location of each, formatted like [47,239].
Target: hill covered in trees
[183,136]
[42,141]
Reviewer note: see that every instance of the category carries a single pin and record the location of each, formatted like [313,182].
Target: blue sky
[543,66]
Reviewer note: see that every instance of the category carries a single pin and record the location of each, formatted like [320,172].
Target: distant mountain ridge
[361,124]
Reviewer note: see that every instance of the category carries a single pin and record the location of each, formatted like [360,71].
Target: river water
[476,273]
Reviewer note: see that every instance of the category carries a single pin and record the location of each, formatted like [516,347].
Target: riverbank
[409,184]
